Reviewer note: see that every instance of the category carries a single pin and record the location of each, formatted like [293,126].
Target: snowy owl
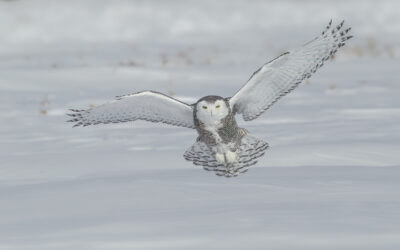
[221,145]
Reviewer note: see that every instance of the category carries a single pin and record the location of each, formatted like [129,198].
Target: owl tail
[248,152]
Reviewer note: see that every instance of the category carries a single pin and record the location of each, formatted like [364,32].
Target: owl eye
[204,107]
[218,106]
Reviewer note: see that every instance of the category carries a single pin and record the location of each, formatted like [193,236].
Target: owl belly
[224,148]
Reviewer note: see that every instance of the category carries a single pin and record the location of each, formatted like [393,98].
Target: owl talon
[230,157]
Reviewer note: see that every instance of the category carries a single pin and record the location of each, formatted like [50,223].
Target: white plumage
[222,146]
[281,75]
[147,105]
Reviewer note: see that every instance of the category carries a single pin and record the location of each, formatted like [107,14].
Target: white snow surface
[330,179]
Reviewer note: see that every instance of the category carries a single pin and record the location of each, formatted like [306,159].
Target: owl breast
[223,138]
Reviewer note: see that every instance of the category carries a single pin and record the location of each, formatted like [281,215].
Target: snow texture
[330,179]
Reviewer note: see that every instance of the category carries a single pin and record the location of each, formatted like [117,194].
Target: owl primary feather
[221,145]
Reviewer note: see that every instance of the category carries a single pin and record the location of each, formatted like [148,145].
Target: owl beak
[211,113]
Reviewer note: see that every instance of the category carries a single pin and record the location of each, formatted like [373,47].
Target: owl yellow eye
[204,107]
[218,106]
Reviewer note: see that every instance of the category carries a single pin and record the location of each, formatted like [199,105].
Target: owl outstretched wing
[147,105]
[281,75]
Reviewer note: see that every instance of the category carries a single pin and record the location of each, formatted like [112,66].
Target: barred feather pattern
[249,151]
[147,105]
[281,75]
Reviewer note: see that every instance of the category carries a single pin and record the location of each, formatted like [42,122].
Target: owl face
[211,110]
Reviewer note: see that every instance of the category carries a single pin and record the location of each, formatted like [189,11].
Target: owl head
[211,109]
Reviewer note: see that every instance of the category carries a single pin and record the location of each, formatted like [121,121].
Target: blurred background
[328,181]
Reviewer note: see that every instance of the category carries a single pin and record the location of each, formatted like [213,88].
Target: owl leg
[224,155]
[220,158]
[226,158]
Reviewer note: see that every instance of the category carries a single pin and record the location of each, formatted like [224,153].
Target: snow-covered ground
[330,179]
